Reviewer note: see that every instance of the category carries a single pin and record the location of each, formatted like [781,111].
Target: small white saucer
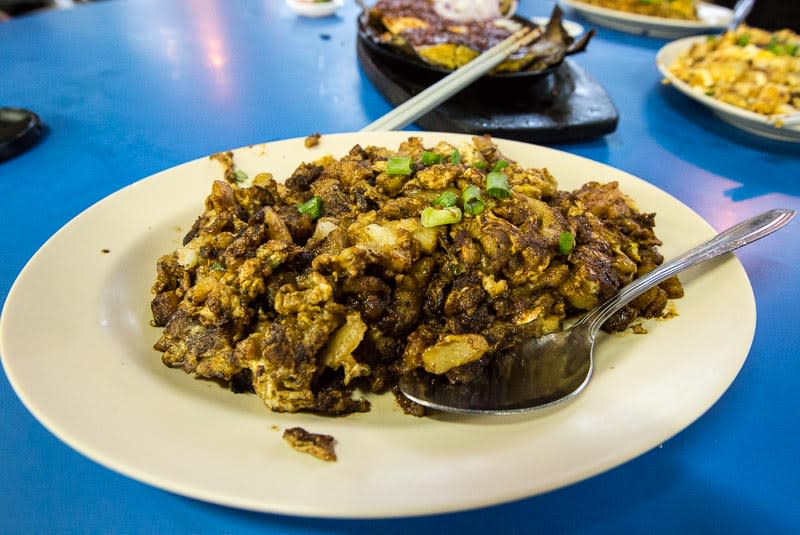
[315,9]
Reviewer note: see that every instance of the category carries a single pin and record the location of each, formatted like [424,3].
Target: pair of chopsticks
[454,82]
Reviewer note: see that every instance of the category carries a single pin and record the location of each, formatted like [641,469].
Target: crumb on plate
[312,140]
[318,445]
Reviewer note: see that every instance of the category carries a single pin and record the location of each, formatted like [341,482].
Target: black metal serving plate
[418,68]
[567,105]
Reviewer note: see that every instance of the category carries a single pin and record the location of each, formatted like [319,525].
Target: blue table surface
[128,88]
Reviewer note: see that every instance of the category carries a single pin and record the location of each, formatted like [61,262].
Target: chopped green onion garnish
[473,202]
[398,165]
[743,39]
[497,185]
[434,217]
[239,176]
[455,157]
[312,207]
[430,158]
[782,49]
[777,49]
[565,242]
[217,266]
[456,269]
[500,165]
[480,165]
[448,198]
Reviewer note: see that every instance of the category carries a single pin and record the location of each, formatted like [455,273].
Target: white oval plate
[573,28]
[711,18]
[76,343]
[749,121]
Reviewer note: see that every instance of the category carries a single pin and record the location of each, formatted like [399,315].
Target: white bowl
[315,9]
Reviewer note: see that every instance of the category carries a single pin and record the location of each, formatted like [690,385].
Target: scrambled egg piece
[750,68]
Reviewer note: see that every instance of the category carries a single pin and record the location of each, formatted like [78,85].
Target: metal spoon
[557,367]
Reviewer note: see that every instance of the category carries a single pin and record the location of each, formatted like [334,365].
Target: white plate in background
[712,18]
[749,121]
[315,9]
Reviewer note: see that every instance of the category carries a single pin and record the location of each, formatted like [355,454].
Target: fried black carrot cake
[419,259]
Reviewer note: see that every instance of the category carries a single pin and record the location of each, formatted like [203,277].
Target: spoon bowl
[557,367]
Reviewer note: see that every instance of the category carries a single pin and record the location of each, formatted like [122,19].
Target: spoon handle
[738,235]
